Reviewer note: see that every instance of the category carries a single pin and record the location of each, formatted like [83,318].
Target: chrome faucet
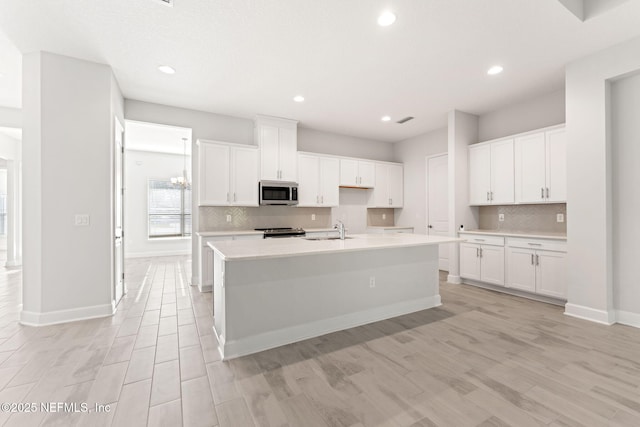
[340,227]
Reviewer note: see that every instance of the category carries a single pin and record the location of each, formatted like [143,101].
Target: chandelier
[182,181]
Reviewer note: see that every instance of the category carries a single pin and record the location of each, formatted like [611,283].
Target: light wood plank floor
[482,359]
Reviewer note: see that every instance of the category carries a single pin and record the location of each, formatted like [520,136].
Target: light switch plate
[313,217]
[501,217]
[82,220]
[228,218]
[560,217]
[384,216]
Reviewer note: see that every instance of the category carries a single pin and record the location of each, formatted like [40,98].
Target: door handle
[430,226]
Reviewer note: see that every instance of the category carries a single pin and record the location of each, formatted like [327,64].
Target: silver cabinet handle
[477,252]
[391,201]
[534,244]
[227,197]
[317,199]
[322,200]
[234,197]
[480,252]
[492,196]
[547,192]
[531,259]
[537,260]
[487,196]
[542,193]
[479,240]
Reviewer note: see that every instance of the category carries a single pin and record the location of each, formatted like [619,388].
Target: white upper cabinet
[541,167]
[318,180]
[277,139]
[357,173]
[227,174]
[491,173]
[389,185]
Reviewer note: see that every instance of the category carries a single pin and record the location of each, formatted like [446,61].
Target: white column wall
[67,153]
[463,131]
[589,179]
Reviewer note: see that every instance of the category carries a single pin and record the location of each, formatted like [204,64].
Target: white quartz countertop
[388,227]
[283,248]
[532,235]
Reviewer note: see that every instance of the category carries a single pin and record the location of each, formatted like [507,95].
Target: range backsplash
[245,218]
[529,218]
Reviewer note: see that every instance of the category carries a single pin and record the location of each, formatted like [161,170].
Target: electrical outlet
[384,216]
[372,281]
[228,218]
[560,217]
[313,217]
[501,217]
[82,220]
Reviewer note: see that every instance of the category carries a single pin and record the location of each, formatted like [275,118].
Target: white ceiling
[242,57]
[158,138]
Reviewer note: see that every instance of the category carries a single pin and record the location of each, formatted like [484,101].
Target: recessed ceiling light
[167,69]
[385,118]
[298,98]
[496,69]
[386,18]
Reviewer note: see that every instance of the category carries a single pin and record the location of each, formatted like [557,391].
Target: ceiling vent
[166,2]
[405,120]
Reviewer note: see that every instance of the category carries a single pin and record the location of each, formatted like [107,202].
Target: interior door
[119,287]
[438,203]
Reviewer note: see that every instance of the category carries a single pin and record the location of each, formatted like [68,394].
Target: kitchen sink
[326,238]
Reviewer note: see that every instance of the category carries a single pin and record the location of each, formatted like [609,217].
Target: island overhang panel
[266,302]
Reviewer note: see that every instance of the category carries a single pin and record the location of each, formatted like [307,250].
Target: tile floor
[482,359]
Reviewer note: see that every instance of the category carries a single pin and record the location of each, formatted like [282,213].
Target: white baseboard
[588,313]
[31,318]
[156,253]
[628,318]
[456,280]
[205,288]
[267,340]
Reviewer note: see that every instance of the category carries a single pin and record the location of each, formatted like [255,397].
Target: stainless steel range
[282,232]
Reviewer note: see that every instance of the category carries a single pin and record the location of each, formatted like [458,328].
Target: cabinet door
[213,175]
[502,177]
[551,274]
[492,264]
[244,176]
[367,174]
[479,175]
[556,165]
[269,152]
[329,181]
[288,155]
[521,269]
[530,159]
[470,261]
[348,173]
[380,193]
[308,185]
[396,185]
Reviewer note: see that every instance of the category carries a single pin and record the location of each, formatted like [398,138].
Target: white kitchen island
[272,292]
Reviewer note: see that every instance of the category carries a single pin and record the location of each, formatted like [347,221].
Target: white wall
[68,114]
[535,113]
[589,179]
[412,152]
[625,108]
[10,117]
[341,145]
[140,166]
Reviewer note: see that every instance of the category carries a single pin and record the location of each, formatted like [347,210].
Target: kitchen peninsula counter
[272,292]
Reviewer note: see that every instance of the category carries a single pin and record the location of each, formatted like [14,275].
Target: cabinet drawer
[482,239]
[537,244]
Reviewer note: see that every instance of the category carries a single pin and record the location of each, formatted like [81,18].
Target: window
[169,209]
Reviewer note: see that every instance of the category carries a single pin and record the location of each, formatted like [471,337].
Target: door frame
[118,155]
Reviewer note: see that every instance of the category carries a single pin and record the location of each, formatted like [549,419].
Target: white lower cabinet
[532,265]
[482,258]
[537,270]
[205,272]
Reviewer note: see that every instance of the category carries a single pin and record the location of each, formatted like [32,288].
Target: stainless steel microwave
[278,193]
